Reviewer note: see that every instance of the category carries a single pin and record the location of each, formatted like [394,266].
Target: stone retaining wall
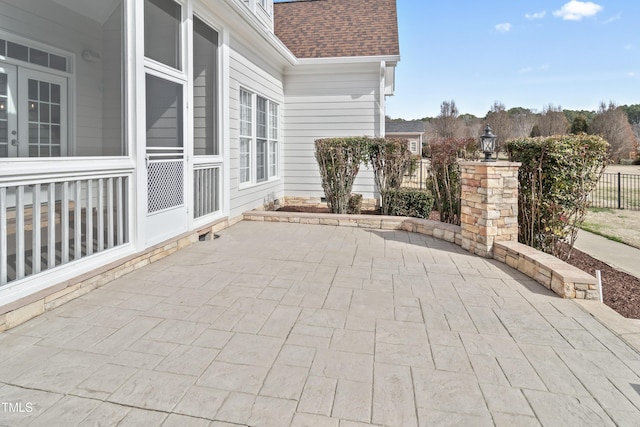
[367,204]
[555,274]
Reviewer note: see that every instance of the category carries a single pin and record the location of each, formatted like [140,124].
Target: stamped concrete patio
[278,324]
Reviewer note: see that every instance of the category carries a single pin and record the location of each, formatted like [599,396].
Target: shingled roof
[338,28]
[412,126]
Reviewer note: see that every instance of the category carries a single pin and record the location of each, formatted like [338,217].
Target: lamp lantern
[488,144]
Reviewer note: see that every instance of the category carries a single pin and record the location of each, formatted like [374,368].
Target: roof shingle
[413,126]
[338,28]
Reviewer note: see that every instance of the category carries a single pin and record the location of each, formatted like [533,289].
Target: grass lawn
[619,225]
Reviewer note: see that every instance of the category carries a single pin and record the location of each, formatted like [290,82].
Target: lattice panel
[165,183]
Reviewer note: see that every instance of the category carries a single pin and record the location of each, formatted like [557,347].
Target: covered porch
[100,157]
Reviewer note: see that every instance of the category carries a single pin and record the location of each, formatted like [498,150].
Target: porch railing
[49,222]
[206,185]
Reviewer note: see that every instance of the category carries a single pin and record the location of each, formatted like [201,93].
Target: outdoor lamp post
[488,144]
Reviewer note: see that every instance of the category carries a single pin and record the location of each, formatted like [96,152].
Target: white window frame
[249,138]
[264,4]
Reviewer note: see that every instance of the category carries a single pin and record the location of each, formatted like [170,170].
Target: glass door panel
[42,115]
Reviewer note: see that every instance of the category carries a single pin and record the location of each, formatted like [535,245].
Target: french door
[33,113]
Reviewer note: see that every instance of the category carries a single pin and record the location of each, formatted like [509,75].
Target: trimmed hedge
[410,202]
[339,161]
[445,181]
[556,177]
[390,159]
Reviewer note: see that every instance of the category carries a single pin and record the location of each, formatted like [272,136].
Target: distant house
[412,130]
[129,127]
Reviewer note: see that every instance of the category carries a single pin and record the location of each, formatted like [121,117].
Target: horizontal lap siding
[248,72]
[322,102]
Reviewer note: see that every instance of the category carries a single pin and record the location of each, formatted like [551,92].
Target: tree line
[618,125]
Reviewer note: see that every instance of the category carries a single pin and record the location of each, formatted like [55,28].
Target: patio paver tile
[203,402]
[68,411]
[104,381]
[343,365]
[301,419]
[256,350]
[159,391]
[232,377]
[558,409]
[285,382]
[236,408]
[318,395]
[353,400]
[176,331]
[106,414]
[187,360]
[393,398]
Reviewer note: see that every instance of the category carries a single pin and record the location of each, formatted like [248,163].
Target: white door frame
[12,110]
[18,107]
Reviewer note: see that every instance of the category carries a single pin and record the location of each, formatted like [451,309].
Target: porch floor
[277,324]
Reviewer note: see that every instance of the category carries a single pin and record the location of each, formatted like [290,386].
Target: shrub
[410,202]
[390,159]
[355,204]
[339,160]
[556,177]
[444,177]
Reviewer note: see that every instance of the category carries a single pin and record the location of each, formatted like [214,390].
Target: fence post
[619,190]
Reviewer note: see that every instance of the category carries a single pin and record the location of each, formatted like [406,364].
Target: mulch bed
[621,291]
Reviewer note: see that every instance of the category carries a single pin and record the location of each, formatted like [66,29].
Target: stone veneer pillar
[489,205]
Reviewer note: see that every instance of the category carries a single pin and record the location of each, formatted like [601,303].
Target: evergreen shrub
[339,161]
[410,202]
[556,177]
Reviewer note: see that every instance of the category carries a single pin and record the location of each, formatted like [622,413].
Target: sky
[522,53]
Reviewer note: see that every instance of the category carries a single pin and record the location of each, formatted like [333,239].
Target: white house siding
[249,71]
[327,101]
[51,25]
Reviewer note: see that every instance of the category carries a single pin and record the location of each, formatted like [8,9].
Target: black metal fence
[613,191]
[617,191]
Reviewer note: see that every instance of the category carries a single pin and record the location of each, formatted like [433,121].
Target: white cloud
[628,47]
[536,15]
[631,74]
[503,28]
[612,19]
[576,10]
[529,69]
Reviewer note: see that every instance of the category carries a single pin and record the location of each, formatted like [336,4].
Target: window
[162,41]
[273,140]
[205,107]
[258,138]
[35,56]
